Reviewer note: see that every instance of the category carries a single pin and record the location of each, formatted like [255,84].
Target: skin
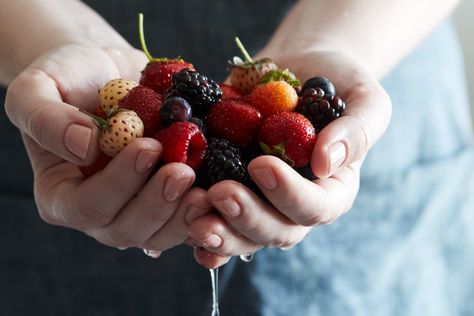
[352,42]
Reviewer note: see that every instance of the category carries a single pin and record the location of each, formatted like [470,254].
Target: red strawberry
[234,120]
[100,163]
[183,142]
[228,92]
[273,97]
[158,72]
[146,103]
[288,135]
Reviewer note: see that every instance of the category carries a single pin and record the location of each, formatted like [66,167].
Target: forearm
[377,33]
[29,28]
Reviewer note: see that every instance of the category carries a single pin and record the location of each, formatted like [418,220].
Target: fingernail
[229,207]
[77,140]
[145,160]
[174,188]
[213,241]
[194,212]
[265,177]
[337,155]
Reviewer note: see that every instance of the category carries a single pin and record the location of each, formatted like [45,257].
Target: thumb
[34,104]
[349,138]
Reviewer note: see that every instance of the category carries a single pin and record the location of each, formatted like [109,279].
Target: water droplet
[247,257]
[286,248]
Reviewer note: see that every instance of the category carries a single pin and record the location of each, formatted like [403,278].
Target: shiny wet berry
[322,83]
[320,108]
[224,162]
[200,91]
[175,109]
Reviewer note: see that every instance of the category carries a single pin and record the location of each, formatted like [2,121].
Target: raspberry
[197,89]
[320,108]
[224,162]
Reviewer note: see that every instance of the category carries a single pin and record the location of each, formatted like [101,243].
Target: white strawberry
[112,92]
[247,75]
[118,131]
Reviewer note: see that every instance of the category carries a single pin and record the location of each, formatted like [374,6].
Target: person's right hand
[121,206]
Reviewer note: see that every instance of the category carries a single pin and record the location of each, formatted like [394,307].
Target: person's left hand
[244,223]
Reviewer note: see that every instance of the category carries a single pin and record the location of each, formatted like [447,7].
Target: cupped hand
[245,223]
[122,206]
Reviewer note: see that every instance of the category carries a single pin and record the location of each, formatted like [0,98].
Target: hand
[246,223]
[122,206]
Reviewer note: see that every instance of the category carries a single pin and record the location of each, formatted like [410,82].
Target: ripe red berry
[235,121]
[183,142]
[146,103]
[158,72]
[228,92]
[288,135]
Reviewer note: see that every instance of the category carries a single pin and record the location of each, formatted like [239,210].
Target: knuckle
[312,220]
[37,124]
[291,201]
[93,216]
[158,214]
[121,239]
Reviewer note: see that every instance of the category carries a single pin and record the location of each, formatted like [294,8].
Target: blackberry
[319,108]
[224,162]
[320,82]
[200,91]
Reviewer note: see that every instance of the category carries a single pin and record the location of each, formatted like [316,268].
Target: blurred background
[463,19]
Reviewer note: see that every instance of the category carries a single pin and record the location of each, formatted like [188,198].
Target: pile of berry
[214,128]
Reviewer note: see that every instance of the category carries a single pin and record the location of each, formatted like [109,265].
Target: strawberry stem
[243,50]
[100,122]
[141,34]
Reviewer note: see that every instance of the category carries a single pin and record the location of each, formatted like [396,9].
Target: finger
[149,210]
[175,231]
[33,103]
[253,218]
[212,233]
[94,202]
[302,201]
[208,259]
[348,139]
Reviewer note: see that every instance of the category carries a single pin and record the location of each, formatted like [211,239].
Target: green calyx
[102,123]
[141,34]
[278,151]
[281,75]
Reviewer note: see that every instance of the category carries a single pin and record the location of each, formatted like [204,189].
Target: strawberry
[147,104]
[234,120]
[273,97]
[183,142]
[246,75]
[112,92]
[288,135]
[158,72]
[228,92]
[99,164]
[118,131]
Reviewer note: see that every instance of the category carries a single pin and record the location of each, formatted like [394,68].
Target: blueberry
[320,82]
[175,109]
